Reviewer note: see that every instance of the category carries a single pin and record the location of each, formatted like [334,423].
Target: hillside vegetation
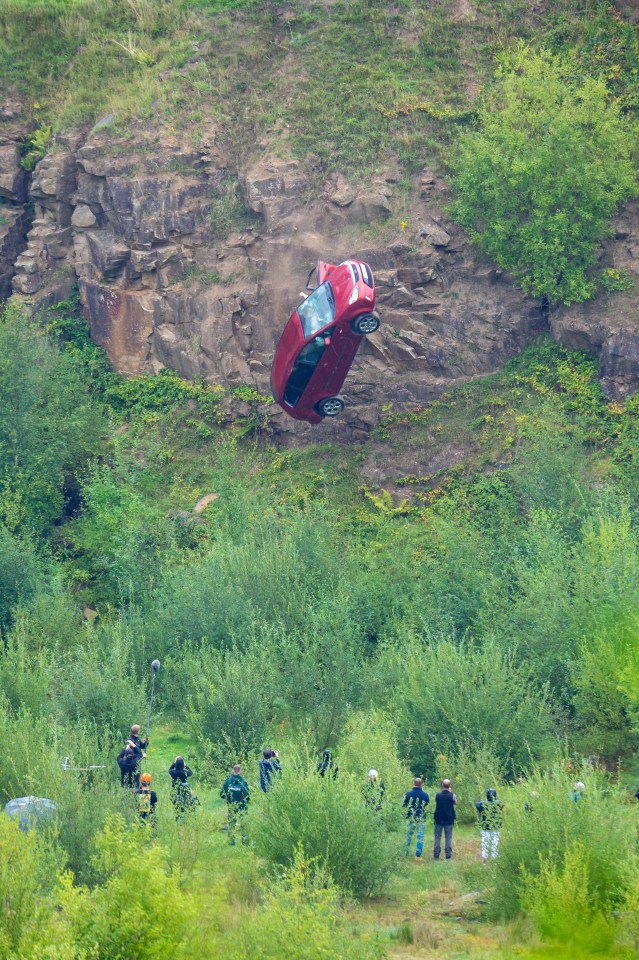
[503,96]
[479,623]
[456,597]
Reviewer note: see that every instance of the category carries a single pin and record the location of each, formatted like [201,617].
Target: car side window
[304,367]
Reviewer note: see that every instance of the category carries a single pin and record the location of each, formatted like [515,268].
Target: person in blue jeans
[415,803]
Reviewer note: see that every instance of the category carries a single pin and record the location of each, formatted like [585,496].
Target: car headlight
[354,295]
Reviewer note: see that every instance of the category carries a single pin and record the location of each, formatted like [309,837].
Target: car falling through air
[320,341]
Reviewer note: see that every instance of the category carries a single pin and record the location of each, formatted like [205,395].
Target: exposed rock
[370,207]
[122,322]
[272,188]
[83,217]
[433,234]
[11,108]
[340,192]
[13,178]
[129,218]
[13,227]
[609,325]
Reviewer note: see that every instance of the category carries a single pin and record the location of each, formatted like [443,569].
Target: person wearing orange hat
[147,799]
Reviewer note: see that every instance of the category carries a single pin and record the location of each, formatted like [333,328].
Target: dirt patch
[463,10]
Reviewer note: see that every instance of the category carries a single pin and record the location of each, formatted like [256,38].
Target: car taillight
[354,295]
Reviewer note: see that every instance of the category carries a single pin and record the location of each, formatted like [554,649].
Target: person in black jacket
[489,811]
[139,746]
[179,772]
[128,762]
[415,802]
[327,765]
[445,817]
[182,797]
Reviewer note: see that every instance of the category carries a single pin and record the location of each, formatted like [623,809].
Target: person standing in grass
[179,771]
[415,803]
[578,791]
[147,799]
[489,811]
[139,746]
[445,817]
[269,766]
[182,797]
[235,790]
[128,762]
[327,765]
[373,791]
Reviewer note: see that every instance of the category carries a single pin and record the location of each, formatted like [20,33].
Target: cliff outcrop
[183,262]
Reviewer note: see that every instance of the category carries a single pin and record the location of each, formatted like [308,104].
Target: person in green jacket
[235,790]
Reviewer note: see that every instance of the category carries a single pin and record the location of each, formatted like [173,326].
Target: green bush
[544,826]
[547,167]
[230,703]
[300,918]
[328,819]
[559,902]
[472,771]
[369,741]
[108,921]
[451,696]
[49,425]
[28,868]
[20,574]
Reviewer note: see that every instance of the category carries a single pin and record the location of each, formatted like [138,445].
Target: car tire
[330,406]
[366,323]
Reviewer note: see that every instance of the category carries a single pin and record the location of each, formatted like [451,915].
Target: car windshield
[318,310]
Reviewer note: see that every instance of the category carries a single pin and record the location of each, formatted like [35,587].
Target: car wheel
[366,323]
[330,406]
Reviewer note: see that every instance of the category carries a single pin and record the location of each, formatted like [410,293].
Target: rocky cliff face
[172,273]
[14,213]
[609,325]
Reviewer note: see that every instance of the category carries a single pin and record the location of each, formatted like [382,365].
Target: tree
[49,425]
[547,166]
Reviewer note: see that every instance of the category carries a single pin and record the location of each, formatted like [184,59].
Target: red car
[321,338]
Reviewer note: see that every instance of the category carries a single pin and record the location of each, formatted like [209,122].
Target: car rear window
[318,310]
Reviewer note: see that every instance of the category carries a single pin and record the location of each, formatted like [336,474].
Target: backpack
[144,802]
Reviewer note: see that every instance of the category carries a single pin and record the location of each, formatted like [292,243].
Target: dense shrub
[559,902]
[328,819]
[109,922]
[547,167]
[449,696]
[472,771]
[544,827]
[28,869]
[369,741]
[49,425]
[20,573]
[230,703]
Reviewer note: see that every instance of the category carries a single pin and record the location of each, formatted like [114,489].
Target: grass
[430,910]
[351,86]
